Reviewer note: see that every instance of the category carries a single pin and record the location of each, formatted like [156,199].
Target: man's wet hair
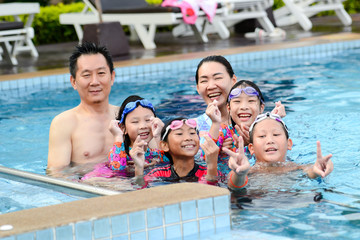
[215,58]
[89,48]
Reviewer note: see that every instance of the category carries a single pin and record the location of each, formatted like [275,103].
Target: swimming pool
[320,87]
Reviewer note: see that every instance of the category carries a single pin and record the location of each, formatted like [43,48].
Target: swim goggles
[250,91]
[264,116]
[132,105]
[176,124]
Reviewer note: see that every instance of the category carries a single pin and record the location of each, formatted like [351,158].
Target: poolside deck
[53,59]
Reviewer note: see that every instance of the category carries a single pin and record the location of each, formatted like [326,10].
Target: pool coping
[331,38]
[156,209]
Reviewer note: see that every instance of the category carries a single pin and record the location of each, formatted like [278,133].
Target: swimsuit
[168,172]
[118,159]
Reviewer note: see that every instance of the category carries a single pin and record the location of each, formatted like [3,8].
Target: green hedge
[48,28]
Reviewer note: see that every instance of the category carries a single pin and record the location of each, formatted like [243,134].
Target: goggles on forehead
[176,124]
[250,91]
[264,116]
[132,105]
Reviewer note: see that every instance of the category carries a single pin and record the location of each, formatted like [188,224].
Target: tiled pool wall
[205,215]
[126,74]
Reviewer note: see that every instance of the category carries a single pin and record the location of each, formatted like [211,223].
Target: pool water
[321,95]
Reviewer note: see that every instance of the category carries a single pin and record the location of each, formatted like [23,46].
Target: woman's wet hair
[88,48]
[246,83]
[215,58]
[129,99]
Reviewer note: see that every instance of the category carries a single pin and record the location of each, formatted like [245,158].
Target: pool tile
[221,204]
[205,207]
[26,236]
[138,236]
[190,229]
[207,226]
[102,228]
[8,238]
[119,224]
[173,232]
[122,237]
[64,232]
[154,217]
[188,210]
[46,234]
[172,213]
[83,230]
[222,223]
[137,221]
[156,234]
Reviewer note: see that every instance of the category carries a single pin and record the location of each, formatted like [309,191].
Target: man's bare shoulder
[67,117]
[115,109]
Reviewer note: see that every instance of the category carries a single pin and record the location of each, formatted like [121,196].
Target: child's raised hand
[156,127]
[213,112]
[228,143]
[279,109]
[116,130]
[211,153]
[238,161]
[323,165]
[243,132]
[137,153]
[211,150]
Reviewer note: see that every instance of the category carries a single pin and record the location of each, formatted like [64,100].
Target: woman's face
[183,142]
[244,108]
[138,123]
[214,83]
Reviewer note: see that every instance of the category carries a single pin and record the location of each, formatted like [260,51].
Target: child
[245,102]
[180,141]
[135,127]
[269,142]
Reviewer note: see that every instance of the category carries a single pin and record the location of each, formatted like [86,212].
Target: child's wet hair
[163,131]
[251,133]
[132,98]
[215,58]
[247,83]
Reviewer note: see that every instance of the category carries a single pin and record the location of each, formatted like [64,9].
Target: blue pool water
[321,93]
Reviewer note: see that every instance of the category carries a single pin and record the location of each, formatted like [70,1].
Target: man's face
[93,79]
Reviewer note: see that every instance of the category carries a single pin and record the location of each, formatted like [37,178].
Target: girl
[180,141]
[245,102]
[135,127]
[269,142]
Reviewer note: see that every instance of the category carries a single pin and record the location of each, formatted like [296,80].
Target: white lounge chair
[142,19]
[235,11]
[16,36]
[299,11]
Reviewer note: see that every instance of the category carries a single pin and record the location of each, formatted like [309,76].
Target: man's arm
[60,147]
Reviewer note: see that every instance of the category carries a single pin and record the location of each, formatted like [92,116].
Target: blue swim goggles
[250,91]
[132,105]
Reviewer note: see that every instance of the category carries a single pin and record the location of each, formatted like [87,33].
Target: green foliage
[48,28]
[351,6]
[158,2]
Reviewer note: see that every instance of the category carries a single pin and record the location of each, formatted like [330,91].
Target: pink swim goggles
[176,124]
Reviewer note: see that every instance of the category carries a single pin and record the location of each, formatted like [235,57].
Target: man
[80,135]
